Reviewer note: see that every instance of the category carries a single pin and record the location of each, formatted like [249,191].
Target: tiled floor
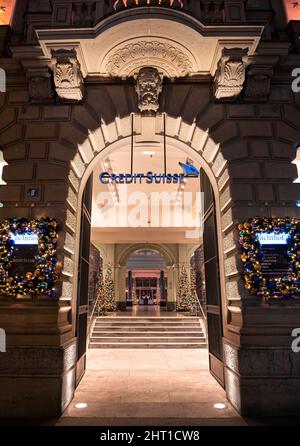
[149,387]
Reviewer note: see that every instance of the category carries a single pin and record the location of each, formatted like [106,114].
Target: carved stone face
[148,88]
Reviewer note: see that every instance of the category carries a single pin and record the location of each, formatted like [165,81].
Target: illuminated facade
[211,81]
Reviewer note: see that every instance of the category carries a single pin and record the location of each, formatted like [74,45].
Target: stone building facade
[225,77]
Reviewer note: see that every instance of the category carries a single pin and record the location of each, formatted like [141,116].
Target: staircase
[147,332]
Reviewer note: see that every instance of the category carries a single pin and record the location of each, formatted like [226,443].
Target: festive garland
[287,286]
[43,278]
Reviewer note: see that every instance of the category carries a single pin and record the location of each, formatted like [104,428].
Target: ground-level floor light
[81,406]
[219,406]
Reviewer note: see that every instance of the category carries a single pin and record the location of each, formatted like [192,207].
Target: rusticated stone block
[15,152]
[289,192]
[235,150]
[17,172]
[219,164]
[60,152]
[56,192]
[56,112]
[10,193]
[265,192]
[12,134]
[287,132]
[241,192]
[29,113]
[256,128]
[225,132]
[213,115]
[231,268]
[37,150]
[262,381]
[49,171]
[259,149]
[282,150]
[280,170]
[241,110]
[210,150]
[245,170]
[41,131]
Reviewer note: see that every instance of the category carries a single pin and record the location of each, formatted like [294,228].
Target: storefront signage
[271,238]
[271,257]
[25,239]
[28,257]
[150,177]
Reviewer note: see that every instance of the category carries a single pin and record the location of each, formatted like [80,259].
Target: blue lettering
[102,177]
[149,177]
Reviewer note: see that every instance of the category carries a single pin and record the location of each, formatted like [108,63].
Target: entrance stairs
[148,332]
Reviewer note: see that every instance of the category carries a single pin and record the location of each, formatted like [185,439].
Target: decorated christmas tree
[158,293]
[193,300]
[99,293]
[183,291]
[107,300]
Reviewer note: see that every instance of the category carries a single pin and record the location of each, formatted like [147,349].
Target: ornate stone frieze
[129,59]
[231,73]
[68,78]
[40,84]
[148,88]
[258,82]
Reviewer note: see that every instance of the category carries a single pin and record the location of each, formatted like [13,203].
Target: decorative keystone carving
[230,74]
[40,84]
[148,88]
[258,82]
[68,79]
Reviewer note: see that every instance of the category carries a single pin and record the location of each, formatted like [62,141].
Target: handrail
[203,313]
[92,317]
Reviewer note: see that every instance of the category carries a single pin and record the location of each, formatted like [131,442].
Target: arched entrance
[216,307]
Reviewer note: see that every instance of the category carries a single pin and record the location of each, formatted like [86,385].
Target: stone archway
[171,266]
[192,140]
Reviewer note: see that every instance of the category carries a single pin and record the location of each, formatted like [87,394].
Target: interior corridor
[149,387]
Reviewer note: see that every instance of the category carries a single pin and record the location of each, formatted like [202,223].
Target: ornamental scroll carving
[231,73]
[169,59]
[148,88]
[68,79]
[40,84]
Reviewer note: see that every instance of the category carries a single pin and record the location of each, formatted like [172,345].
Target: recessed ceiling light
[81,406]
[148,153]
[219,406]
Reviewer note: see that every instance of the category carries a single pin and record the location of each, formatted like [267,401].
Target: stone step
[146,339]
[148,345]
[148,329]
[142,324]
[148,332]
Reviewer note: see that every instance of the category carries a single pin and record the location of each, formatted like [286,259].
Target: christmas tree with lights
[107,301]
[183,291]
[99,293]
[193,300]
